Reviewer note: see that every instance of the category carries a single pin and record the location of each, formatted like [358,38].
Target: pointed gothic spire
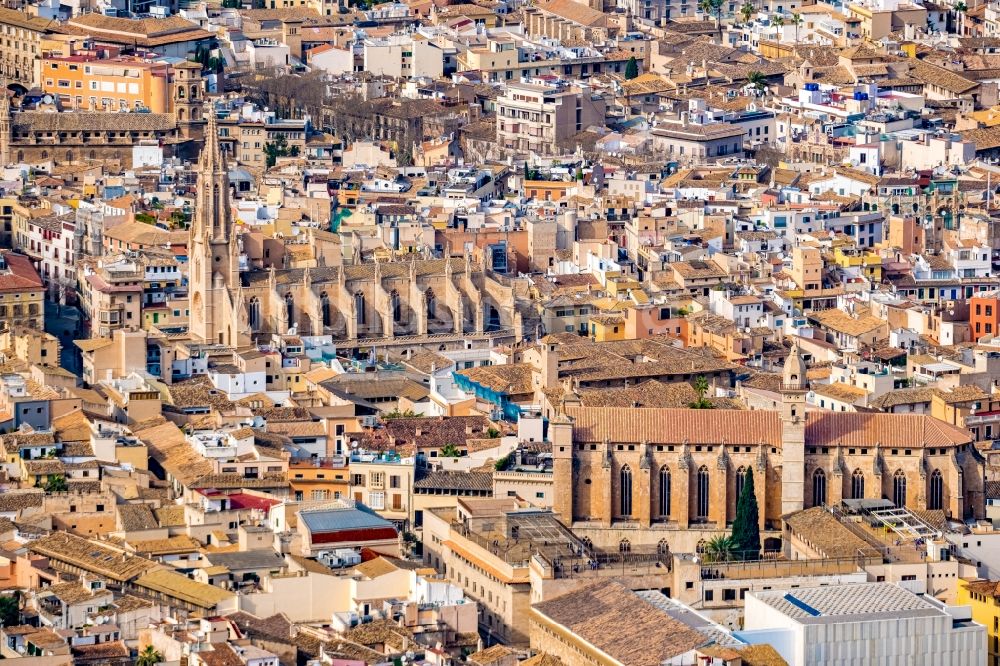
[212,160]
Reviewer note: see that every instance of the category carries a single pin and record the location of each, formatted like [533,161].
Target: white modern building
[862,624]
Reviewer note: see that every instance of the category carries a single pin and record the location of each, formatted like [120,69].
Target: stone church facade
[441,303]
[641,478]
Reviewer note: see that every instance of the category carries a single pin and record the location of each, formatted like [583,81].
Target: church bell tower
[213,247]
[793,432]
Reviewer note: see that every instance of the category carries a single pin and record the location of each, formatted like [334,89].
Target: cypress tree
[746,529]
[631,68]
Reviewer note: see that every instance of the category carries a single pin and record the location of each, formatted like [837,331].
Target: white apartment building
[862,624]
[403,56]
[536,118]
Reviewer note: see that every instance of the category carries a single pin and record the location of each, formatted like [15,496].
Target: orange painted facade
[87,82]
[984,315]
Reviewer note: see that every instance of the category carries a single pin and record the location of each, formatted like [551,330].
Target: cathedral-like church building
[669,478]
[445,303]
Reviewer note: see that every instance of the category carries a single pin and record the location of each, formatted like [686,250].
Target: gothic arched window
[324,305]
[624,546]
[253,314]
[819,488]
[662,547]
[290,309]
[935,498]
[359,308]
[625,491]
[664,498]
[858,484]
[431,304]
[741,479]
[702,508]
[899,488]
[397,310]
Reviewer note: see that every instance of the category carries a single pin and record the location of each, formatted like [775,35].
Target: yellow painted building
[319,479]
[118,84]
[605,328]
[984,598]
[870,263]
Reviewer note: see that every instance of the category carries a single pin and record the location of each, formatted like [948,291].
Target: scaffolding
[884,514]
[904,523]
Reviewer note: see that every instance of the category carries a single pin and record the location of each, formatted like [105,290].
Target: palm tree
[713,7]
[960,9]
[450,451]
[797,21]
[779,21]
[149,657]
[701,388]
[757,80]
[720,548]
[747,11]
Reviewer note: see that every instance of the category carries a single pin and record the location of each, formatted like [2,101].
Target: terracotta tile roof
[651,393]
[697,426]
[21,19]
[180,543]
[382,565]
[170,516]
[907,396]
[107,650]
[575,12]
[20,274]
[449,480]
[941,77]
[511,378]
[72,427]
[275,626]
[221,654]
[989,588]
[71,593]
[842,322]
[424,360]
[92,121]
[128,603]
[619,623]
[985,138]
[138,233]
[136,517]
[856,429]
[170,449]
[380,632]
[963,394]
[489,656]
[839,391]
[761,655]
[376,388]
[297,428]
[138,32]
[824,533]
[90,555]
[181,587]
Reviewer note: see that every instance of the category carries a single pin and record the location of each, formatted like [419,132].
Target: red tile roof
[20,275]
[694,426]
